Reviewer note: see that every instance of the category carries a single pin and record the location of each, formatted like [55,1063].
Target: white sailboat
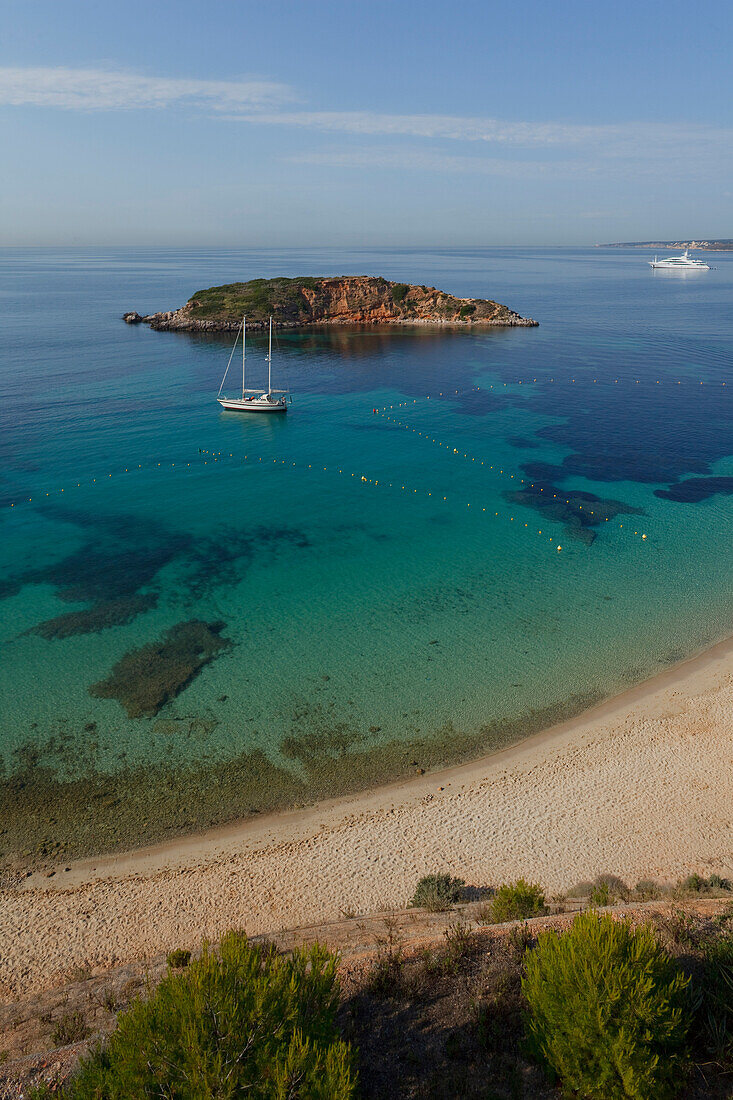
[270,401]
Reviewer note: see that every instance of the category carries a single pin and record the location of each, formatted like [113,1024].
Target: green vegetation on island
[340,300]
[258,299]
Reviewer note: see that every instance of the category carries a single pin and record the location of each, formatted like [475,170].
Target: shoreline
[641,787]
[215,841]
[195,325]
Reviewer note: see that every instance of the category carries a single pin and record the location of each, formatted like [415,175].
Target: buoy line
[207,456]
[382,483]
[102,479]
[498,470]
[448,395]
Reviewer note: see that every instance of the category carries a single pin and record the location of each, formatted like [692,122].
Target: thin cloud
[448,127]
[587,163]
[426,161]
[608,139]
[104,90]
[681,149]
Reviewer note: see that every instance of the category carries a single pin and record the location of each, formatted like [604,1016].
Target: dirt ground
[431,1000]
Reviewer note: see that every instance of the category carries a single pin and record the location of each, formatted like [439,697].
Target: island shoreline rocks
[345,300]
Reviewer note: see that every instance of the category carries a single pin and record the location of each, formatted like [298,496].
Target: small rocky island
[340,300]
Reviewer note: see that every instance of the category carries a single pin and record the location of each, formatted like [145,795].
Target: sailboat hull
[252,405]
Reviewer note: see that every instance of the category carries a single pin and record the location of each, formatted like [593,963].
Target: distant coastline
[340,300]
[723,245]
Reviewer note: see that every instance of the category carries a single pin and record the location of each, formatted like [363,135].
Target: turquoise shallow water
[363,615]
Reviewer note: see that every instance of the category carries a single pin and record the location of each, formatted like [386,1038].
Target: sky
[239,124]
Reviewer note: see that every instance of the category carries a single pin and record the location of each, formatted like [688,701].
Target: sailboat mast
[269,363]
[244,339]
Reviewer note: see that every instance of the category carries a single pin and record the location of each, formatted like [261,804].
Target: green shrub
[385,977]
[680,929]
[696,884]
[437,892]
[617,888]
[178,959]
[600,895]
[520,939]
[518,901]
[712,998]
[608,1011]
[693,884]
[241,1022]
[460,943]
[399,290]
[581,890]
[467,310]
[70,1028]
[647,890]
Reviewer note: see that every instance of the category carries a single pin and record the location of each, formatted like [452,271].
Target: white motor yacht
[679,263]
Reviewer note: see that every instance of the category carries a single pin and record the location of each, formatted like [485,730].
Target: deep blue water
[423,604]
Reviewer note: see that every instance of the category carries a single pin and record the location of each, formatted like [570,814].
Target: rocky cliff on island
[342,300]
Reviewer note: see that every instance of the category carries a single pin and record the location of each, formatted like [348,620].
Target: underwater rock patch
[544,471]
[696,489]
[122,556]
[110,570]
[225,558]
[145,679]
[322,746]
[521,442]
[630,440]
[100,616]
[579,511]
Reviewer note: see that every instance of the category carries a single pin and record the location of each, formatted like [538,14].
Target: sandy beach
[641,786]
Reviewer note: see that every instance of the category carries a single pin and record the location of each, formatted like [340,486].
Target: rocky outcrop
[344,300]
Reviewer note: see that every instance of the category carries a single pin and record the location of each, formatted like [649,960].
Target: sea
[453,539]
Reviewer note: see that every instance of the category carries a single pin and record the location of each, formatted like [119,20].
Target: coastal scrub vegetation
[503,1014]
[178,959]
[240,1021]
[517,901]
[257,299]
[437,892]
[69,1028]
[607,1010]
[712,1000]
[622,1013]
[607,889]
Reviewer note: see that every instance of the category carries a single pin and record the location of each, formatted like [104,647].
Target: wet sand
[641,786]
